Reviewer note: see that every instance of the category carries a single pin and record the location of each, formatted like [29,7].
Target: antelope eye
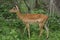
[14,8]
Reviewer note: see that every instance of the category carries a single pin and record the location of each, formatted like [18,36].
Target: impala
[41,19]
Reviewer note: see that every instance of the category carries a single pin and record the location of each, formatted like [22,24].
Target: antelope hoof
[47,37]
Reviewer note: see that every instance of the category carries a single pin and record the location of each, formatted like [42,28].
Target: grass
[11,31]
[14,34]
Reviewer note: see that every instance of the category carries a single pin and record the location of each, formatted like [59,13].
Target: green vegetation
[11,28]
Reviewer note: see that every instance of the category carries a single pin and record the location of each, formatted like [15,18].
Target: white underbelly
[32,21]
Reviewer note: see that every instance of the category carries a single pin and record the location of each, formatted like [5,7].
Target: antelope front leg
[41,28]
[28,29]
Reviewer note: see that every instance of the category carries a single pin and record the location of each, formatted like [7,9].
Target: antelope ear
[16,6]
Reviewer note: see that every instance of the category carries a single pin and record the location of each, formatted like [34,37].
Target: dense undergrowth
[11,28]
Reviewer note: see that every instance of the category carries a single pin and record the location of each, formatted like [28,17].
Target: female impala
[30,18]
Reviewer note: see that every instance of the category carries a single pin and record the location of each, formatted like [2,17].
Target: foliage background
[11,28]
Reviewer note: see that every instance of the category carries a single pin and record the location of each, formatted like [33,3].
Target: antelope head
[14,9]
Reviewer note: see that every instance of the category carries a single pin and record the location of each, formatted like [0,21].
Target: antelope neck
[19,15]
